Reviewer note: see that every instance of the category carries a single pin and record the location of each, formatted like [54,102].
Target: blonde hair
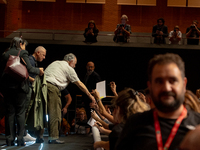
[130,103]
[198,93]
[191,101]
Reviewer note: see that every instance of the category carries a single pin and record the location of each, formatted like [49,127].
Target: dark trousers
[15,111]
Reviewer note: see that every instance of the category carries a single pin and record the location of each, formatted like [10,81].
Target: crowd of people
[163,116]
[159,32]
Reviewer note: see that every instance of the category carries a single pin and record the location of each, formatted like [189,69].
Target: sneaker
[28,138]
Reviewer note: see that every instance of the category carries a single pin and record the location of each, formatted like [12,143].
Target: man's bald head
[90,67]
[40,53]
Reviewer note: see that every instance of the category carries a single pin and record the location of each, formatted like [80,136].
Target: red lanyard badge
[173,131]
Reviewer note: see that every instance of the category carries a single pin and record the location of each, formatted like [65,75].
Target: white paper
[91,121]
[101,88]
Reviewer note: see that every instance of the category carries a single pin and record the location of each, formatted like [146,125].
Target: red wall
[65,16]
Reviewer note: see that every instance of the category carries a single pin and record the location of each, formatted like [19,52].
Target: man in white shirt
[175,36]
[58,75]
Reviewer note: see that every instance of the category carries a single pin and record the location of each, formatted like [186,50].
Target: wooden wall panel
[193,3]
[75,1]
[41,0]
[146,2]
[126,2]
[73,16]
[96,1]
[176,3]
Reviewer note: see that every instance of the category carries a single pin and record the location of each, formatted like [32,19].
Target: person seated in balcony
[122,31]
[192,33]
[160,32]
[91,32]
[175,36]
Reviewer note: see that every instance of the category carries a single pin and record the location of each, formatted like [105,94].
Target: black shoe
[21,142]
[55,142]
[10,143]
[40,140]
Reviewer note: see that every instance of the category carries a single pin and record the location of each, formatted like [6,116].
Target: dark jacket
[91,80]
[160,39]
[89,37]
[9,82]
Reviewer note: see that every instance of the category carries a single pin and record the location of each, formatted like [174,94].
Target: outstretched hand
[96,95]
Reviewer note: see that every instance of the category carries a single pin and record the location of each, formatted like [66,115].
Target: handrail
[72,33]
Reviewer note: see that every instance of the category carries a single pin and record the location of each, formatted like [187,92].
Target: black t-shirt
[139,131]
[193,34]
[114,135]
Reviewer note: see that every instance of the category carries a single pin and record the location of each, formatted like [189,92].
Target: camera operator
[123,31]
[175,36]
[192,34]
[160,31]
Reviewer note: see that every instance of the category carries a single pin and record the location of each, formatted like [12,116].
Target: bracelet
[98,101]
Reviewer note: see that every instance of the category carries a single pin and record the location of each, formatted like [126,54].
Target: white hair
[69,57]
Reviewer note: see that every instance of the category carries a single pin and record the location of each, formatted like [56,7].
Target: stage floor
[72,142]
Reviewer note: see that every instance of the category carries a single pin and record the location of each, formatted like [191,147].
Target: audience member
[122,31]
[15,93]
[90,80]
[159,127]
[91,32]
[81,126]
[148,98]
[127,103]
[108,117]
[191,101]
[65,127]
[175,36]
[192,33]
[58,75]
[38,56]
[113,88]
[191,140]
[65,104]
[160,32]
[66,100]
[198,93]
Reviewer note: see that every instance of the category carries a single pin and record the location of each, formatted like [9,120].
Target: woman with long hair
[127,103]
[91,32]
